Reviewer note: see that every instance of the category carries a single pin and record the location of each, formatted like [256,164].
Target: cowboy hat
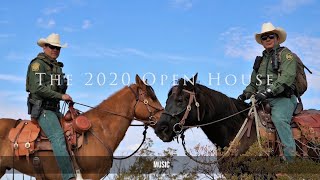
[268,27]
[53,39]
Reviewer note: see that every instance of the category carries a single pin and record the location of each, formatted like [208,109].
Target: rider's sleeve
[252,87]
[38,86]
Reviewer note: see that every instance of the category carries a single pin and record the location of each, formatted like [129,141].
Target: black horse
[191,104]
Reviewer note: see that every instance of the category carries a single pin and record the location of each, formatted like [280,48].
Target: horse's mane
[151,93]
[149,90]
[220,102]
[216,104]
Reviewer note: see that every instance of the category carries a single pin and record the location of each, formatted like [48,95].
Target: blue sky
[167,37]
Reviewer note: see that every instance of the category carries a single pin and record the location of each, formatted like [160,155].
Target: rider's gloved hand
[263,95]
[66,97]
[244,96]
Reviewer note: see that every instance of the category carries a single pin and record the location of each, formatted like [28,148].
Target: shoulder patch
[289,56]
[35,66]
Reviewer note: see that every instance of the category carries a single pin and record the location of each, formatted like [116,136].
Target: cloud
[97,51]
[54,10]
[12,104]
[287,6]
[7,35]
[307,47]
[134,136]
[13,111]
[69,29]
[13,96]
[18,56]
[11,78]
[46,23]
[182,4]
[314,80]
[86,24]
[136,52]
[148,55]
[240,43]
[311,102]
[79,2]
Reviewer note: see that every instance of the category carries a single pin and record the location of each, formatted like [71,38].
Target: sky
[111,41]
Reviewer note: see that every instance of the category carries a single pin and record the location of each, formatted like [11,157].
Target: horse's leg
[91,176]
[5,126]
[2,171]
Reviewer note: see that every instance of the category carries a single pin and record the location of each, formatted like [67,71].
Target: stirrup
[78,175]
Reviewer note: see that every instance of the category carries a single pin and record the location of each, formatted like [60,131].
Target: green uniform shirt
[41,79]
[276,80]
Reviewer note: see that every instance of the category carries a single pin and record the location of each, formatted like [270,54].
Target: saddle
[309,124]
[27,137]
[305,128]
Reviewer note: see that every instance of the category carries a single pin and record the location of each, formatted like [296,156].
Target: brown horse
[110,121]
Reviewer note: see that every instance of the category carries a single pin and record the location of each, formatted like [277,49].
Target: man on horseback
[273,78]
[47,86]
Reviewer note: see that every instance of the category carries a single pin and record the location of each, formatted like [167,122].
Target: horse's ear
[194,79]
[140,83]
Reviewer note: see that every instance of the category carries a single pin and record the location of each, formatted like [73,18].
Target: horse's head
[147,108]
[182,108]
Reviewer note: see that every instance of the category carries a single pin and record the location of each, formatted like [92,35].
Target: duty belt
[49,105]
[287,93]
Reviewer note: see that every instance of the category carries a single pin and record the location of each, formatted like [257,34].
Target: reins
[146,122]
[110,151]
[182,136]
[237,137]
[219,120]
[110,112]
[145,102]
[116,114]
[143,140]
[179,127]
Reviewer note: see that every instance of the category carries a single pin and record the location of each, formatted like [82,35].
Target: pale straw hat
[268,27]
[53,39]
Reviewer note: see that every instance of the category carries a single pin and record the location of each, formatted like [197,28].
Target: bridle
[140,98]
[178,127]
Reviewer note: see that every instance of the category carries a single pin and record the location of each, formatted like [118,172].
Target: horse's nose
[163,128]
